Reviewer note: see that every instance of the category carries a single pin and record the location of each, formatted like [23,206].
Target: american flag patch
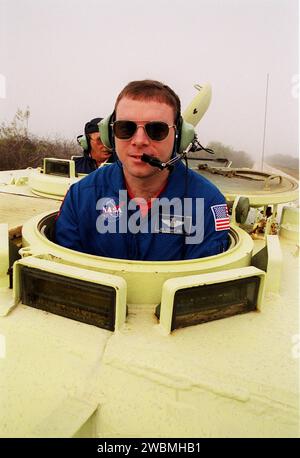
[221,217]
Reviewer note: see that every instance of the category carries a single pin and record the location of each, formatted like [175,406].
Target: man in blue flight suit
[139,208]
[94,152]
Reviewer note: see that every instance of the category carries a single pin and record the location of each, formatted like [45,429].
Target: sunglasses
[156,130]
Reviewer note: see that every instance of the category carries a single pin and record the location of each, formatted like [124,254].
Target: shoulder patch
[221,217]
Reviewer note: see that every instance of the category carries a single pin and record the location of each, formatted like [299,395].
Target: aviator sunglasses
[156,130]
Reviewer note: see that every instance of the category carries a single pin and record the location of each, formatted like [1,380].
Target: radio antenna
[265,125]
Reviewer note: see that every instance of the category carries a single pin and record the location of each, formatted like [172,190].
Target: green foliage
[18,126]
[19,149]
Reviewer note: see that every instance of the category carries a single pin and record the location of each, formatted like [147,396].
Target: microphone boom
[153,161]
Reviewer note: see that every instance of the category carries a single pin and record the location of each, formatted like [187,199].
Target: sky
[67,60]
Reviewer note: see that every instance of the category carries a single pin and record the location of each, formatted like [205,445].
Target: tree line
[20,149]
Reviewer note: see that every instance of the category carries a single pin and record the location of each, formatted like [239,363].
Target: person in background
[94,152]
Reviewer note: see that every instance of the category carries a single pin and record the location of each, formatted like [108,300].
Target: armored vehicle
[100,347]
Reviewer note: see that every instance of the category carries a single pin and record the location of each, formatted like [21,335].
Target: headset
[83,141]
[184,135]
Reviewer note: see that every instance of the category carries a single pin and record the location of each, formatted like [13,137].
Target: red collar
[144,207]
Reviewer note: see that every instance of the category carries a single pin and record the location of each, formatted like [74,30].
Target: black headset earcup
[186,135]
[105,130]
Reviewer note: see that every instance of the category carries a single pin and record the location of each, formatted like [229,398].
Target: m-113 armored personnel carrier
[100,347]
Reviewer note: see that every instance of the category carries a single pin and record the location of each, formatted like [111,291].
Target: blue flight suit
[85,164]
[93,219]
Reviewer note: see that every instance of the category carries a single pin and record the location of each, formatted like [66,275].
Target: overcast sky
[68,60]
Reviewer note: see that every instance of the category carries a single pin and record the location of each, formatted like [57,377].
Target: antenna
[265,124]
